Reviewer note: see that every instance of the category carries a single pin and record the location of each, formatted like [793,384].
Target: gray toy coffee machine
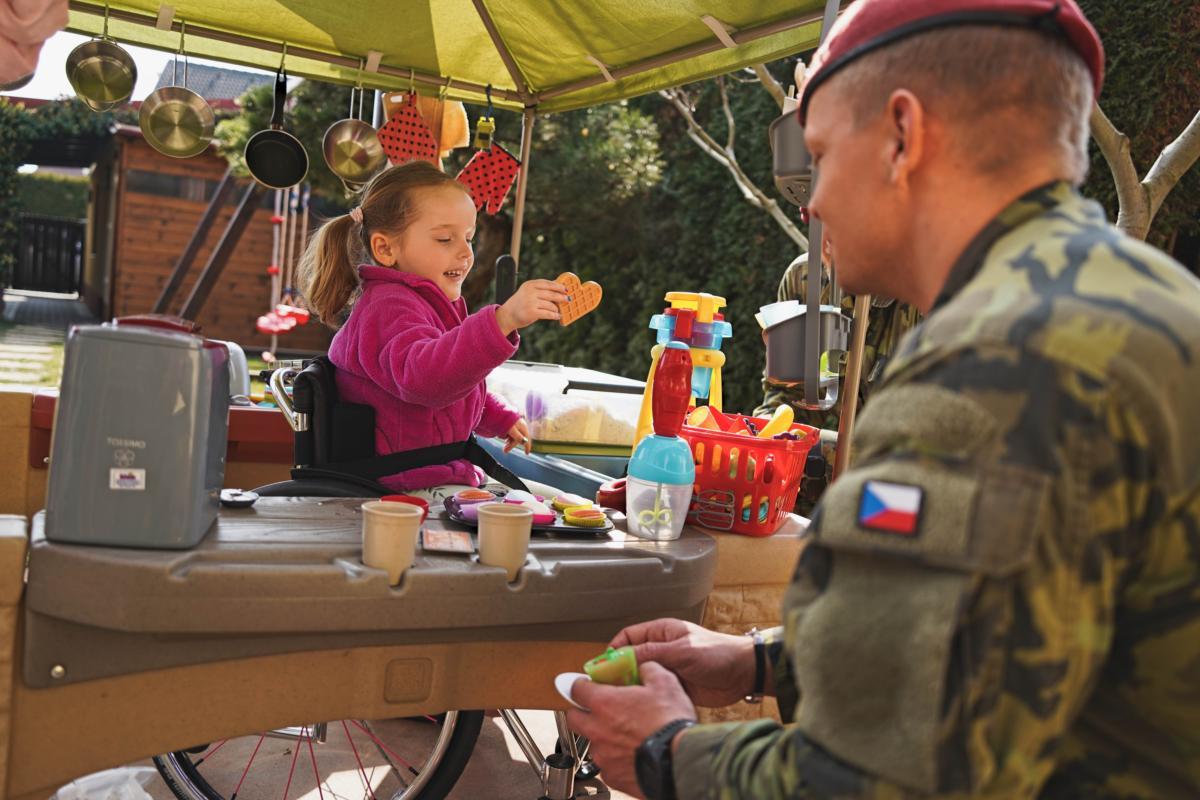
[140,431]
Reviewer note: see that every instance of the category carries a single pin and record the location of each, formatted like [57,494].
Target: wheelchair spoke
[292,771]
[242,779]
[202,758]
[316,773]
[358,760]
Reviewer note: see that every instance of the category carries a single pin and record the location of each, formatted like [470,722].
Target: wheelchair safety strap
[404,460]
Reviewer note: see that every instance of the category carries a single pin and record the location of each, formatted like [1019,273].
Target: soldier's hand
[716,669]
[619,718]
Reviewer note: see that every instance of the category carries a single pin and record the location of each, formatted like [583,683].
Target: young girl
[409,348]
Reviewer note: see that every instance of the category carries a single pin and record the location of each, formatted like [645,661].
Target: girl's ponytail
[327,270]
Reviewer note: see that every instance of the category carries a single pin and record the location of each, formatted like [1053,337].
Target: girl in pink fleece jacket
[409,348]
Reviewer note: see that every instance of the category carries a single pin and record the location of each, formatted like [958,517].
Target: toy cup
[390,536]
[615,667]
[504,536]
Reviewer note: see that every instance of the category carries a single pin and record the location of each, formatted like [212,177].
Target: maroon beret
[868,25]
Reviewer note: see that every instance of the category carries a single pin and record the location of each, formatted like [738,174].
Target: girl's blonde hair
[327,268]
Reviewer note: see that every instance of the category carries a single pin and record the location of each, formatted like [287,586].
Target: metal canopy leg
[522,184]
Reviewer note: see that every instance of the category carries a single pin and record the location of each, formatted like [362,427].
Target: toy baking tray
[454,514]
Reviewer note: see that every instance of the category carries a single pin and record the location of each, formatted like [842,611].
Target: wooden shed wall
[153,227]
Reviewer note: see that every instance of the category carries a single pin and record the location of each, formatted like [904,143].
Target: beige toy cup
[504,536]
[390,536]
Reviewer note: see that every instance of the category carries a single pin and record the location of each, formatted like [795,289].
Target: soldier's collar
[1024,208]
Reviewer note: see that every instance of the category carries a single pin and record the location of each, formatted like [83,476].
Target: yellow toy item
[564,502]
[585,517]
[703,417]
[781,422]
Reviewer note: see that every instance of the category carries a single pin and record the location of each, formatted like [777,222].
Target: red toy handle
[672,390]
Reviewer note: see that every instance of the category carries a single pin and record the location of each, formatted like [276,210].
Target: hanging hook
[104,35]
[178,53]
[488,92]
[283,57]
[412,80]
[446,88]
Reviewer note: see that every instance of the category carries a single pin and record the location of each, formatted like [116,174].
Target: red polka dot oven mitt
[488,176]
[406,136]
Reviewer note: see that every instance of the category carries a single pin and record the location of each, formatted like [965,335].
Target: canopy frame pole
[703,48]
[506,55]
[527,120]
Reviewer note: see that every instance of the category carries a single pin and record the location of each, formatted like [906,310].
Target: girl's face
[437,244]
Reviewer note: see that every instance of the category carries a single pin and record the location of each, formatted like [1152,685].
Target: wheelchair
[334,456]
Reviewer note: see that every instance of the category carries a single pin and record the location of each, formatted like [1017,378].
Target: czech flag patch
[890,507]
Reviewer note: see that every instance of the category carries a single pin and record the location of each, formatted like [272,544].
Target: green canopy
[544,55]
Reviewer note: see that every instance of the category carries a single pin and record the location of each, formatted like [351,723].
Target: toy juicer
[695,320]
[662,471]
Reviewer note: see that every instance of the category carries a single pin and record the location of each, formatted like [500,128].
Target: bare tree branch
[1175,160]
[730,123]
[1133,216]
[770,84]
[727,158]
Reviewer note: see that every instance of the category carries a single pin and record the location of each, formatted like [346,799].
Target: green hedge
[53,195]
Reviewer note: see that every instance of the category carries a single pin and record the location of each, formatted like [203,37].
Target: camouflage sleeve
[952,613]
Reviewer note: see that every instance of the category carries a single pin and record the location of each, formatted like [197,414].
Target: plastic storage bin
[744,484]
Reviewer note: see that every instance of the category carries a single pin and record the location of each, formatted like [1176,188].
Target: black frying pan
[275,158]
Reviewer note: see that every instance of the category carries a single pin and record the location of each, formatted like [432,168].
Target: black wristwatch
[653,761]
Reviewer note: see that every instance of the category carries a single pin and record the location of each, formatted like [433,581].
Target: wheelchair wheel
[413,758]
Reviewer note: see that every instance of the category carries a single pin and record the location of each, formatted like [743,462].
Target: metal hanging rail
[350,63]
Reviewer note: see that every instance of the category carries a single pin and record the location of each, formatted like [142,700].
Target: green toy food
[615,667]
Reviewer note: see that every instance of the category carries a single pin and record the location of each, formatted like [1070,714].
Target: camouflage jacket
[889,321]
[1002,594]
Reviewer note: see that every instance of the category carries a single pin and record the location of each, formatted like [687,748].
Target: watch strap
[760,667]
[657,749]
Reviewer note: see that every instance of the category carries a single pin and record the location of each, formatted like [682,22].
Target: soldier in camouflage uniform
[888,323]
[1001,597]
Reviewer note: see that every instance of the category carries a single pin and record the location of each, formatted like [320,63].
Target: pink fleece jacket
[420,361]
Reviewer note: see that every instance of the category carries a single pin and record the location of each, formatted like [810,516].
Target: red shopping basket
[745,484]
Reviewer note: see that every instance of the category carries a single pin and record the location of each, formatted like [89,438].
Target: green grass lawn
[29,358]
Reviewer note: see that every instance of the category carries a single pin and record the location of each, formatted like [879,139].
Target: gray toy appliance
[140,431]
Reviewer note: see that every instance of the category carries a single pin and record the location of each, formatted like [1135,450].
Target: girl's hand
[536,299]
[517,436]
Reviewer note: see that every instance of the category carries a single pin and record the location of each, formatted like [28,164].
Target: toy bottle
[661,471]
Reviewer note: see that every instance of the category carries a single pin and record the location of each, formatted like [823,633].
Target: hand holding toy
[582,298]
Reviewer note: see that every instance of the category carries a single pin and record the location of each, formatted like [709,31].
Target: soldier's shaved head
[1008,94]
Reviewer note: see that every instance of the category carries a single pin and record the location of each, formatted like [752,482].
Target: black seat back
[337,431]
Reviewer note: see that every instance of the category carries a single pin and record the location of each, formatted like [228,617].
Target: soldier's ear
[907,128]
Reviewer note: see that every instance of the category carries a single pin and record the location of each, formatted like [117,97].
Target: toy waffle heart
[582,298]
